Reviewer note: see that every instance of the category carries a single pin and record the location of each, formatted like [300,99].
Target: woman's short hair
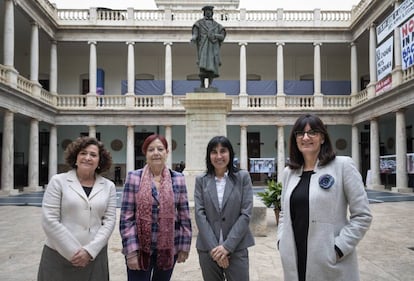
[224,142]
[326,153]
[73,149]
[150,139]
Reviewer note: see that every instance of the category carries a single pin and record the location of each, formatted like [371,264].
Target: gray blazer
[329,222]
[234,217]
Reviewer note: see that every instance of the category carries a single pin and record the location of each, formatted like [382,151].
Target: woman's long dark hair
[326,153]
[214,142]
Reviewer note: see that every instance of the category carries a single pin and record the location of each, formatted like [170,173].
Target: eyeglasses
[310,133]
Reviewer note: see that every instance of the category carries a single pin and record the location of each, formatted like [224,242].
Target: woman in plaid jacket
[155,222]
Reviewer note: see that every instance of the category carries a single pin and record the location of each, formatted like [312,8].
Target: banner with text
[384,56]
[398,16]
[407,43]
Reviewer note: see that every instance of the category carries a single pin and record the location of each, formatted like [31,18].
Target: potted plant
[271,196]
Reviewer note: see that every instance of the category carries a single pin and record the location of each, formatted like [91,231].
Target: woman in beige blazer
[223,200]
[316,236]
[78,216]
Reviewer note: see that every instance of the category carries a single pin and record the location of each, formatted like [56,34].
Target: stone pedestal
[205,118]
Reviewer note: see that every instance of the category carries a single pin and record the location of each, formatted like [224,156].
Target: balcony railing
[172,103]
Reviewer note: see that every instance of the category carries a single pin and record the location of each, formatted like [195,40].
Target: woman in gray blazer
[316,236]
[223,207]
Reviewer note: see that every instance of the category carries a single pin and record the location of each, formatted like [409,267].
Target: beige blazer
[72,221]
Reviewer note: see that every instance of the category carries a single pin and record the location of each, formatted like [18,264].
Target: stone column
[243,147]
[168,98]
[280,151]
[243,69]
[318,97]
[8,36]
[168,68]
[33,181]
[53,67]
[397,73]
[372,62]
[91,100]
[354,69]
[205,118]
[280,69]
[280,96]
[130,149]
[374,156]
[7,156]
[401,151]
[92,67]
[92,131]
[168,137]
[131,68]
[53,151]
[8,43]
[130,95]
[34,53]
[355,147]
[317,69]
[34,61]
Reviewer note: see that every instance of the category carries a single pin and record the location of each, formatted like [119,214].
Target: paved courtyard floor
[385,254]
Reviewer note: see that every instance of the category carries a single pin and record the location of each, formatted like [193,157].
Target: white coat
[72,221]
[329,223]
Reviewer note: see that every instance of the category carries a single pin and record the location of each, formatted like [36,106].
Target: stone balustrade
[278,17]
[151,102]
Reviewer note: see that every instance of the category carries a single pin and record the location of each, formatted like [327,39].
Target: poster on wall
[410,163]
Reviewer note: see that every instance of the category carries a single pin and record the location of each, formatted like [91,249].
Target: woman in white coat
[316,236]
[78,216]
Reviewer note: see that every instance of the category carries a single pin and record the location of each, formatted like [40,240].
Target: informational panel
[262,165]
[388,164]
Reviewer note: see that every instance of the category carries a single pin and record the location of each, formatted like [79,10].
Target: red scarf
[166,220]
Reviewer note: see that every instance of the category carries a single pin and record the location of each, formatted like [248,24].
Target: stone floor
[384,253]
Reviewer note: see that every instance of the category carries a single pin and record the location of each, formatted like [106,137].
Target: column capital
[242,43]
[280,44]
[92,43]
[168,43]
[130,43]
[317,44]
[403,109]
[353,43]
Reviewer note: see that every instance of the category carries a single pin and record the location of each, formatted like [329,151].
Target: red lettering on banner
[407,28]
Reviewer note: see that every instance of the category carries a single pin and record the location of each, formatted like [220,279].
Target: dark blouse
[299,210]
[87,190]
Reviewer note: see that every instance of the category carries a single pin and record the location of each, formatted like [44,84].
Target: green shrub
[272,194]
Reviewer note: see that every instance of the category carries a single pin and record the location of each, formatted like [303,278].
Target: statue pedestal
[205,118]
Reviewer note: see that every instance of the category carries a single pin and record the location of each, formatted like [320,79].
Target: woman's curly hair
[73,149]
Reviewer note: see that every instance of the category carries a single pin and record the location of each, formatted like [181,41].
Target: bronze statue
[208,36]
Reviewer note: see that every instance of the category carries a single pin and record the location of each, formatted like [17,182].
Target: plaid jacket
[127,225]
